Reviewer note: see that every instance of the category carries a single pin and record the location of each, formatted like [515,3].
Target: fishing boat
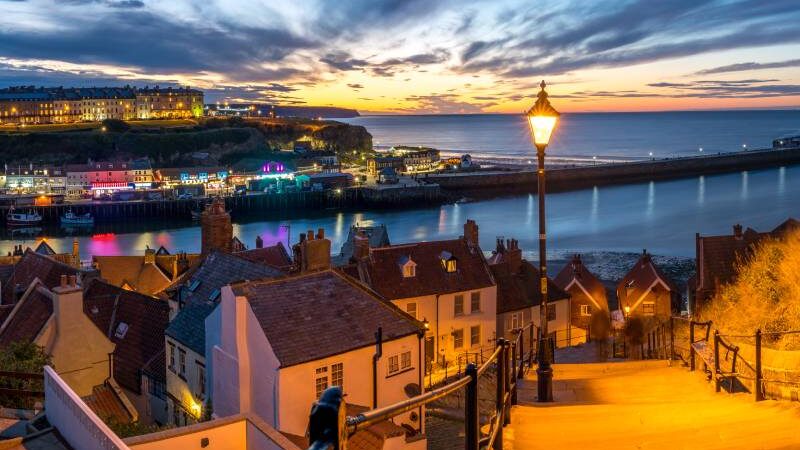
[19,219]
[70,218]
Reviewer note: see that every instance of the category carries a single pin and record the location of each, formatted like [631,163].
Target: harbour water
[661,216]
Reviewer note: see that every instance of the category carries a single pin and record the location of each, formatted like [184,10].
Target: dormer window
[122,329]
[448,262]
[408,267]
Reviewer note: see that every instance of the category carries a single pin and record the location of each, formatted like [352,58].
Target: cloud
[355,86]
[343,61]
[742,67]
[748,88]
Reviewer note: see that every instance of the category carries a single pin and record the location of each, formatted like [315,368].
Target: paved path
[646,405]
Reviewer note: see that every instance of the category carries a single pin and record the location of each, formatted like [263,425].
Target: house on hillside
[377,236]
[194,297]
[645,291]
[587,293]
[149,273]
[99,337]
[519,298]
[446,284]
[281,342]
[717,257]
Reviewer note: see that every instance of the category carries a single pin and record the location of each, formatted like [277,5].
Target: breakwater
[358,197]
[573,178]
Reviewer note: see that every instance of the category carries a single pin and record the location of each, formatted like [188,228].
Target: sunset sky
[429,56]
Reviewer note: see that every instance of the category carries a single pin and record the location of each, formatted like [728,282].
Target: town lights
[542,118]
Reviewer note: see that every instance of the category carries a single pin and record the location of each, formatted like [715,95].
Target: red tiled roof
[105,403]
[577,271]
[639,279]
[33,265]
[274,256]
[146,317]
[312,316]
[521,290]
[28,317]
[383,273]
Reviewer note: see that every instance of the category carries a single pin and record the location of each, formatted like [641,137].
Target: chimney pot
[302,237]
[310,235]
[737,231]
[259,242]
[72,280]
[63,281]
[321,233]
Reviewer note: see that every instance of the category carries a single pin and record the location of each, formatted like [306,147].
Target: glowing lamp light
[542,119]
[196,409]
[627,310]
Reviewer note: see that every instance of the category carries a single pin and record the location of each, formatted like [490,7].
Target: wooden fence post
[514,372]
[691,341]
[758,388]
[671,339]
[716,361]
[471,425]
[507,380]
[501,394]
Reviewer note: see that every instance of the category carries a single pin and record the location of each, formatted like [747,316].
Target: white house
[282,342]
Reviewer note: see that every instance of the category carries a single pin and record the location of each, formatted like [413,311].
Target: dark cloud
[751,88]
[127,4]
[741,67]
[343,61]
[355,86]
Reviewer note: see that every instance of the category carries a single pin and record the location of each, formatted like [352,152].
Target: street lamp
[542,119]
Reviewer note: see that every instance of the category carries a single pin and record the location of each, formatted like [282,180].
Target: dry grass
[766,294]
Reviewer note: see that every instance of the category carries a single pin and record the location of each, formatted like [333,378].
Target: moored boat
[70,218]
[29,218]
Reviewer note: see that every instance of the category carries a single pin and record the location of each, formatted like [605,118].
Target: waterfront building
[519,300]
[388,175]
[646,292]
[279,343]
[418,159]
[717,257]
[377,164]
[587,293]
[212,179]
[32,179]
[446,284]
[38,105]
[194,296]
[104,178]
[99,337]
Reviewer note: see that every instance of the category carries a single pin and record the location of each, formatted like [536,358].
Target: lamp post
[542,119]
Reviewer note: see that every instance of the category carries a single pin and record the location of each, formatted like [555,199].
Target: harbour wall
[573,178]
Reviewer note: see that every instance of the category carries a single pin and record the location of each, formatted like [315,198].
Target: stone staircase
[645,405]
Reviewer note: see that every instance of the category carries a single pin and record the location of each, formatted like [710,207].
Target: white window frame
[586,310]
[456,310]
[472,297]
[411,309]
[455,338]
[473,342]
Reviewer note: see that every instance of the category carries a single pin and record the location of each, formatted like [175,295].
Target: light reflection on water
[660,216]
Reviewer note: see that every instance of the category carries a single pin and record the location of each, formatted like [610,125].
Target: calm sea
[620,135]
[660,216]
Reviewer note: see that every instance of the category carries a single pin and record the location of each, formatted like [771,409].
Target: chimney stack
[259,242]
[312,254]
[514,256]
[737,231]
[216,228]
[471,233]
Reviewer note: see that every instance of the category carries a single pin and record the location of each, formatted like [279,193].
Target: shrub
[115,125]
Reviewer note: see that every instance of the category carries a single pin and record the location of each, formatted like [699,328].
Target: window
[448,262]
[515,320]
[193,285]
[409,269]
[394,364]
[214,295]
[649,308]
[475,336]
[172,356]
[122,328]
[201,378]
[551,312]
[405,360]
[321,382]
[586,310]
[458,305]
[475,302]
[337,375]
[182,362]
[458,338]
[411,309]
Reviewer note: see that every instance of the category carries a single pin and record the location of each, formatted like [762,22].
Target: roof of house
[107,405]
[274,256]
[640,278]
[28,317]
[577,272]
[140,338]
[44,248]
[521,290]
[147,278]
[316,315]
[378,236]
[717,256]
[383,272]
[34,265]
[217,270]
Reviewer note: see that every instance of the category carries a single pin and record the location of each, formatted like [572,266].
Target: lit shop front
[108,189]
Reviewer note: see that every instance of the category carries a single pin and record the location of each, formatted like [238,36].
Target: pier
[574,178]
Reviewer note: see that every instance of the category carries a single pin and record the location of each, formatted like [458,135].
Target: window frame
[458,335]
[473,297]
[473,342]
[172,359]
[649,306]
[586,310]
[458,305]
[182,362]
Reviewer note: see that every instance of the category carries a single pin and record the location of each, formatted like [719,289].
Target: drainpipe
[375,358]
[421,358]
[436,334]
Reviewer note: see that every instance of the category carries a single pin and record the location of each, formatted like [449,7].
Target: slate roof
[521,290]
[146,318]
[274,256]
[34,265]
[383,274]
[316,315]
[639,279]
[378,237]
[217,270]
[576,271]
[28,317]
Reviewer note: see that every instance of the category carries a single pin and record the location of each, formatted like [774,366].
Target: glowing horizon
[413,56]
